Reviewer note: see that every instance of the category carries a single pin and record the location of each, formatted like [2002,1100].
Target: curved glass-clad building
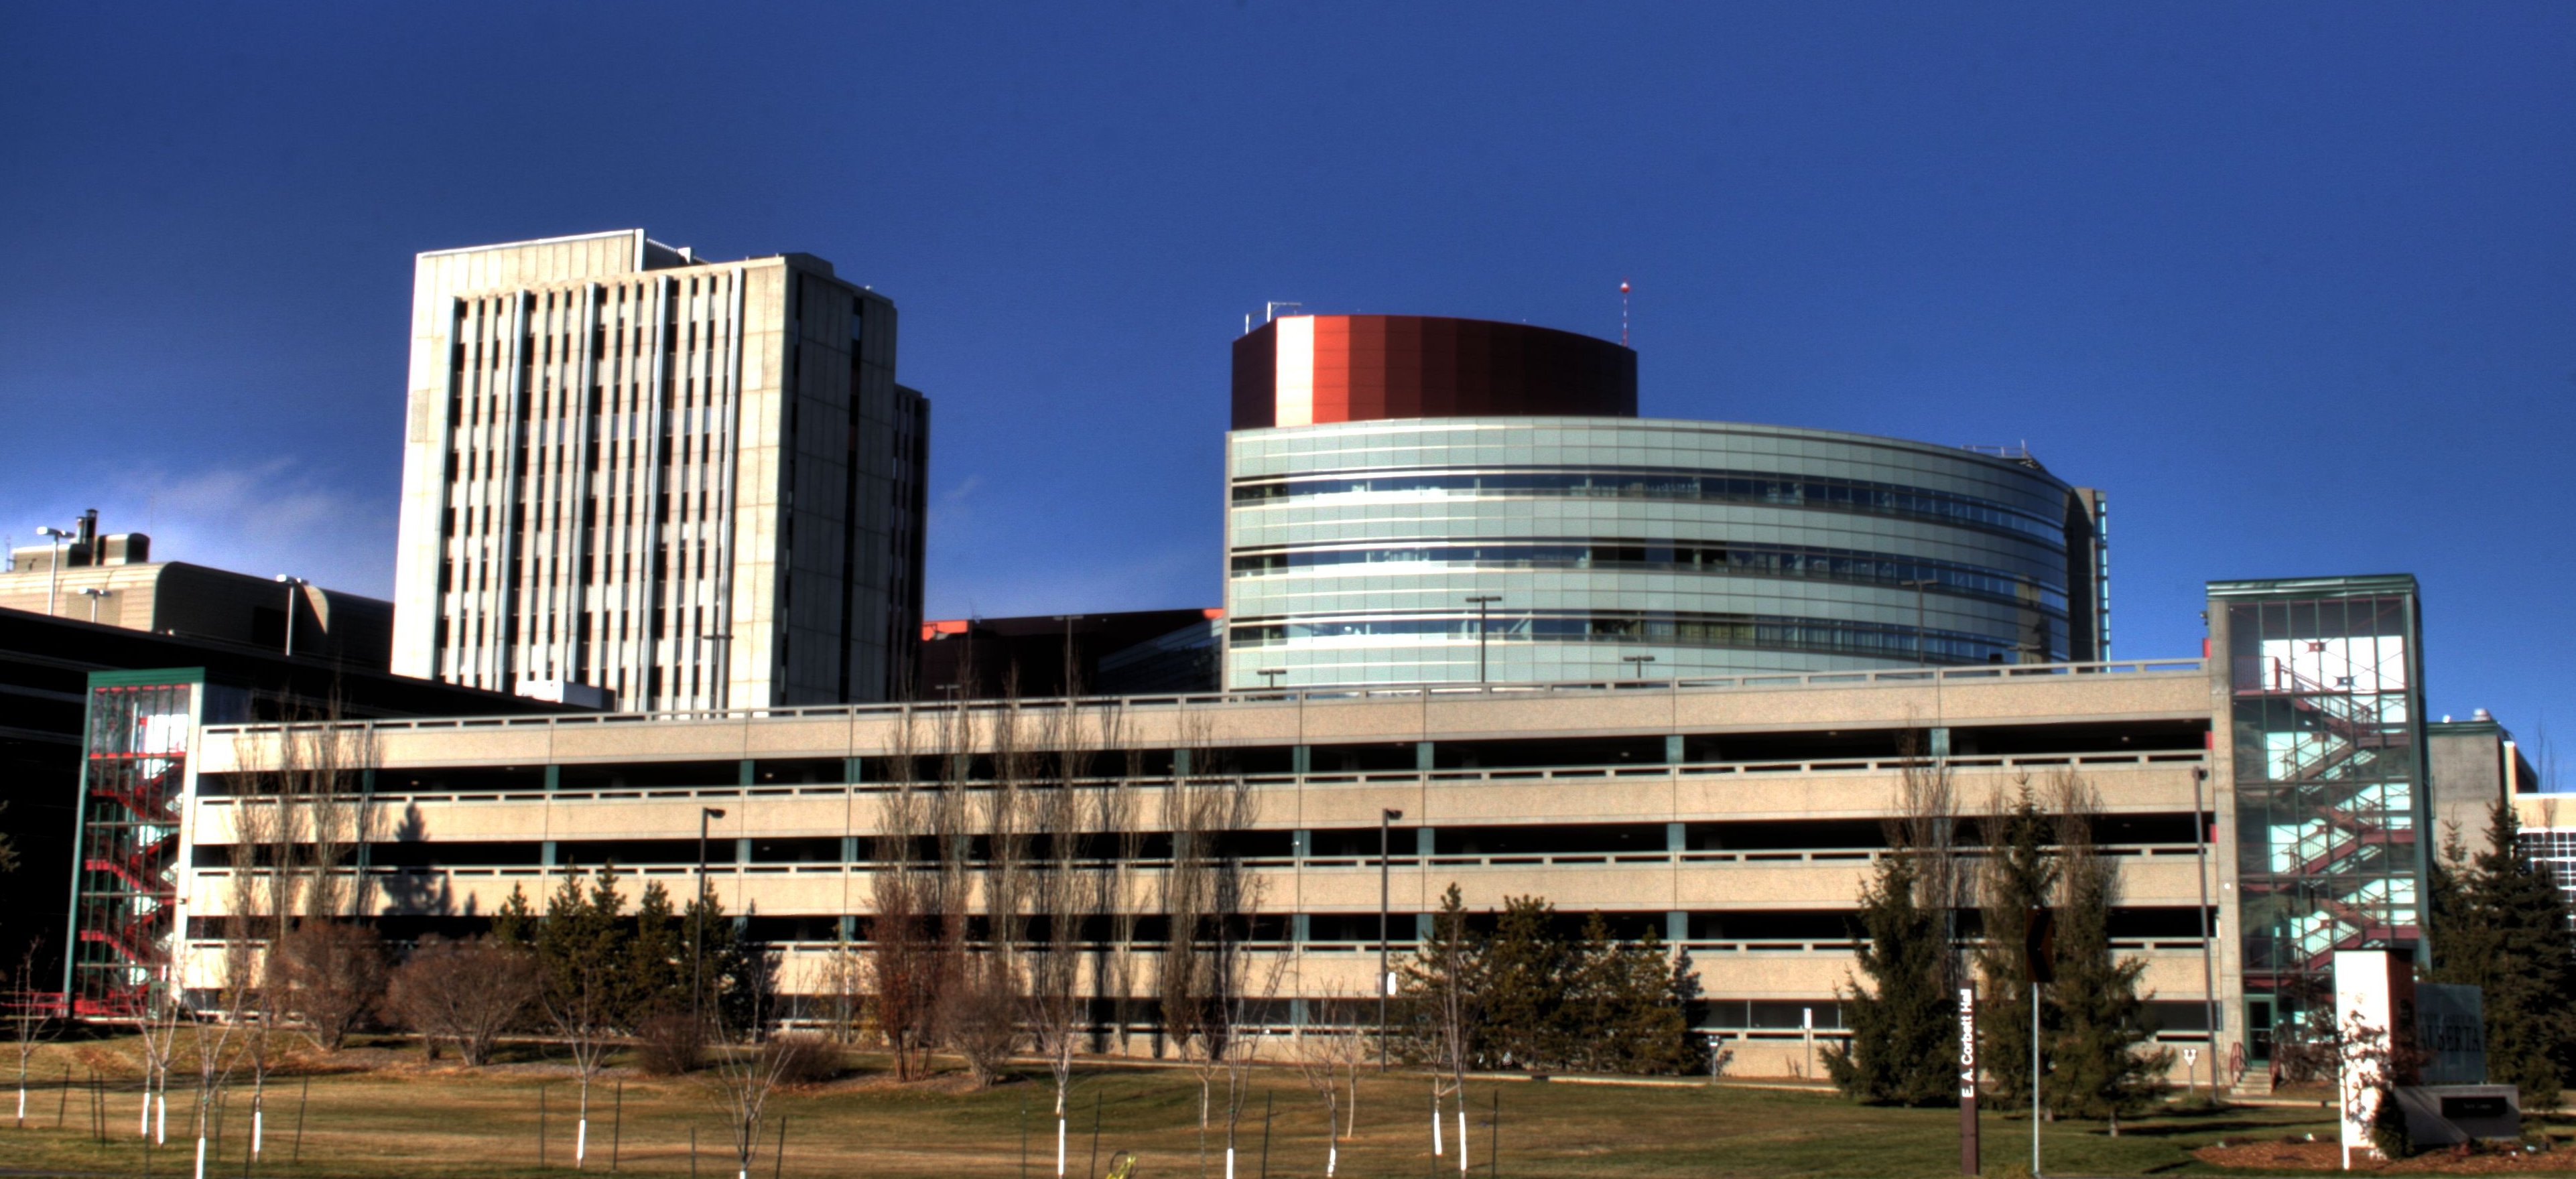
[1399,513]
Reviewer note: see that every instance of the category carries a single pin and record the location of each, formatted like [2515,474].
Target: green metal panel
[147,678]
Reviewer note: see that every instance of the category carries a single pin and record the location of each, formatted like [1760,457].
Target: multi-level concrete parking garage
[1736,816]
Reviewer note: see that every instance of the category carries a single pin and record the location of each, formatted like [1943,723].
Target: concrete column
[1301,759]
[546,851]
[1673,749]
[850,849]
[554,778]
[1676,927]
[1422,759]
[1180,762]
[746,779]
[1941,741]
[852,770]
[1299,929]
[1301,844]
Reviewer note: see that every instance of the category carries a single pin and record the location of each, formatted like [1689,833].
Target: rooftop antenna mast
[1623,313]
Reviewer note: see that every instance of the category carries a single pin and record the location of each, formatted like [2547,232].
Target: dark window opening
[823,849]
[591,853]
[803,771]
[460,779]
[1547,752]
[1373,758]
[1542,840]
[651,775]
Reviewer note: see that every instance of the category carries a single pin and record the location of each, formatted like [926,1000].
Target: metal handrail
[1907,676]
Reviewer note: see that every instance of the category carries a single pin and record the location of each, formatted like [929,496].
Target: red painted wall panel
[1382,367]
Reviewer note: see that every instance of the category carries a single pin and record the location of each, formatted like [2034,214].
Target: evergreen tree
[515,923]
[1440,992]
[2020,874]
[2096,1067]
[653,981]
[1904,1042]
[1630,1009]
[738,973]
[1528,972]
[579,946]
[1529,997]
[2504,929]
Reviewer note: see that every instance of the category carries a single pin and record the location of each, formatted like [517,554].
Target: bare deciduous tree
[1118,889]
[464,992]
[31,1020]
[1926,827]
[745,1072]
[212,1035]
[1232,1034]
[1331,1049]
[334,976]
[1055,1008]
[1207,901]
[579,946]
[741,1082]
[157,1035]
[844,987]
[904,957]
[976,1015]
[252,936]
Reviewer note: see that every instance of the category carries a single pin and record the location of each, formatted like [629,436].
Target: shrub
[671,1043]
[800,1059]
[467,992]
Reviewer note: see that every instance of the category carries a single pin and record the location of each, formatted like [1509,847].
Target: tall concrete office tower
[678,483]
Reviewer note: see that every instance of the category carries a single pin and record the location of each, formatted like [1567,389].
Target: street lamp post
[294,590]
[93,593]
[1384,819]
[1638,662]
[54,574]
[1481,601]
[1922,656]
[698,923]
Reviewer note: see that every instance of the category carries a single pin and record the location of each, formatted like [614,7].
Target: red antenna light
[1623,313]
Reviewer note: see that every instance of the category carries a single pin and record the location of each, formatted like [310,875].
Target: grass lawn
[399,1117]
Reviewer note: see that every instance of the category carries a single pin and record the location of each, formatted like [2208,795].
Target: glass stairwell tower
[2325,681]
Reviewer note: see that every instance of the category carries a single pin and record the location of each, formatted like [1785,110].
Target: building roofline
[2365,585]
[539,241]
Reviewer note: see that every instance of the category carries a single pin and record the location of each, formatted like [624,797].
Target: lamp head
[1393,814]
[713,812]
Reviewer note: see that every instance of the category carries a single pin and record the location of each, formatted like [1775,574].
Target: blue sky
[2296,283]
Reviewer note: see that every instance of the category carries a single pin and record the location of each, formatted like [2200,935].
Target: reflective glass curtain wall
[2326,716]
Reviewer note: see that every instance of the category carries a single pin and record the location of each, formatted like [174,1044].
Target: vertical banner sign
[1968,1154]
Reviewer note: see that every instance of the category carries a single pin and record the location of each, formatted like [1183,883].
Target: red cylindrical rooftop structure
[1304,370]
